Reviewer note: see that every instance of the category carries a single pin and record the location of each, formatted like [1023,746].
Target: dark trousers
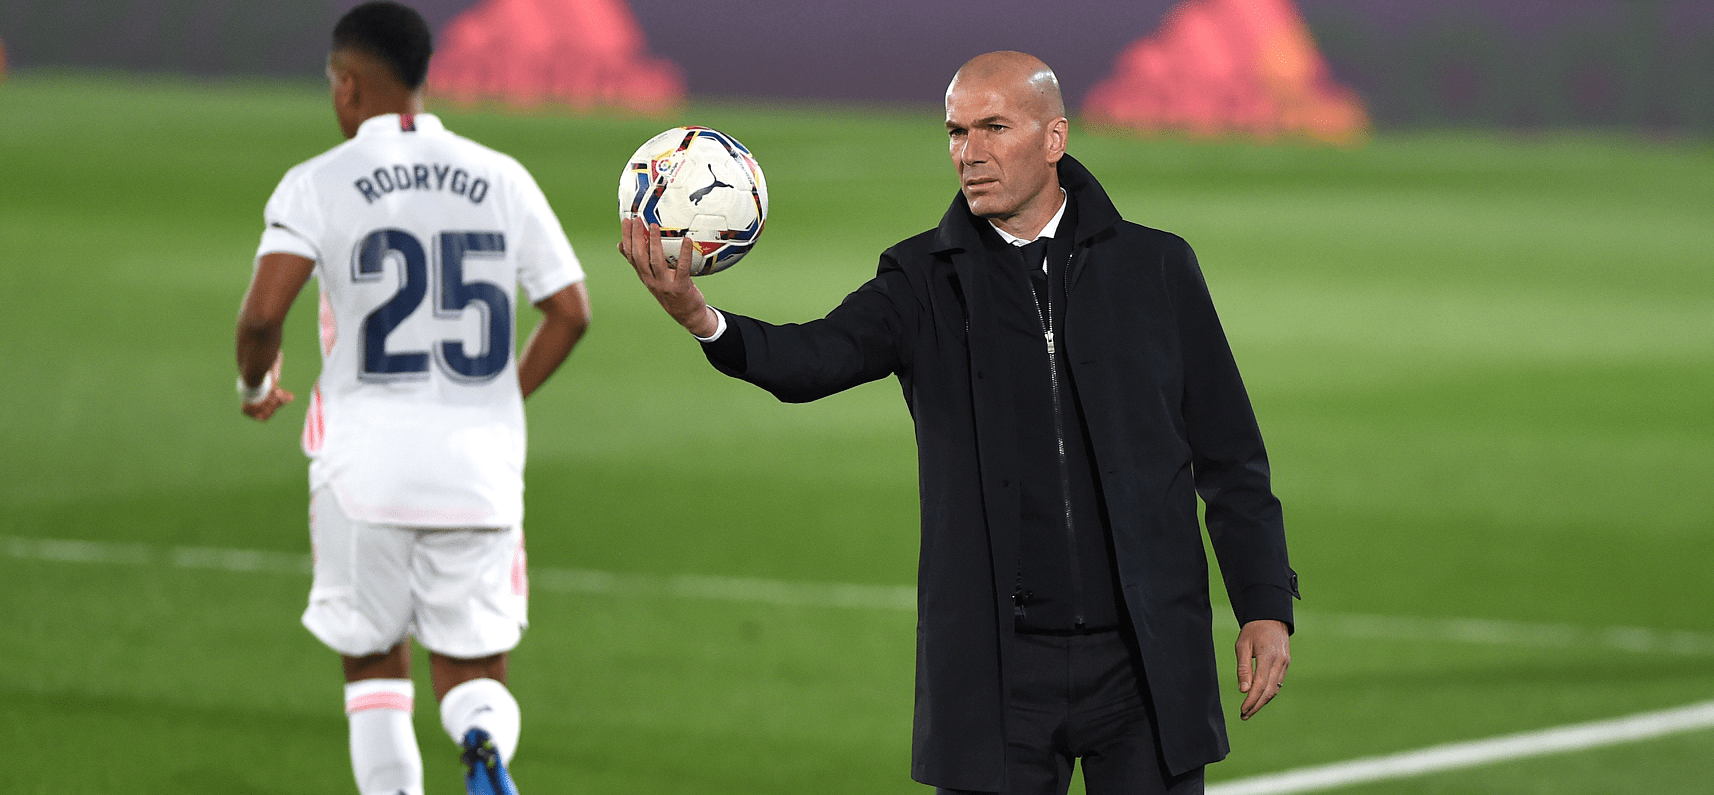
[1082,697]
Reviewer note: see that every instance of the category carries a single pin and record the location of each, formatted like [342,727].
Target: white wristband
[255,394]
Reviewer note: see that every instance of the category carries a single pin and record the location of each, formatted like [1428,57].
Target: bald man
[419,239]
[1073,393]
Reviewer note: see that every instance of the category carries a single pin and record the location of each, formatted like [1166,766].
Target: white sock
[482,704]
[384,753]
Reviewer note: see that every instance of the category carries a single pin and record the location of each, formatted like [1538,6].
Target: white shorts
[461,592]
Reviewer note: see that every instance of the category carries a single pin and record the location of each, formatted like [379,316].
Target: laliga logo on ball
[697,183]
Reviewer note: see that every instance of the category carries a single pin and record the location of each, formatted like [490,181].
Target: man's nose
[973,151]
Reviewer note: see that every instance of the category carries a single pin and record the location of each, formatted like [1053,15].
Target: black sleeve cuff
[1265,602]
[726,352]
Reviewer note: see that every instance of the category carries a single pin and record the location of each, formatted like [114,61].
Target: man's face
[1004,153]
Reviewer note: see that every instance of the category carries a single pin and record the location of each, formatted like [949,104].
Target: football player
[418,239]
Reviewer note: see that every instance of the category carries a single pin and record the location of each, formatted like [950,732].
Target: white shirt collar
[1046,231]
[389,122]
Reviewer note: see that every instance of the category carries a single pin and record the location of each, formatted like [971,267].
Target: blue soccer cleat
[484,773]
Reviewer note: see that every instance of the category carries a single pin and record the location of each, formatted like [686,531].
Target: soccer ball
[702,183]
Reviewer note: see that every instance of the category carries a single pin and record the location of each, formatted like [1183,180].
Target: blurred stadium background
[1644,64]
[1478,334]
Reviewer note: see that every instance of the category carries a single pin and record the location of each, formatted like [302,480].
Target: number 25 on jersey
[452,296]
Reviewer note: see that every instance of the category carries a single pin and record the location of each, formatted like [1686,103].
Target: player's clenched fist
[260,402]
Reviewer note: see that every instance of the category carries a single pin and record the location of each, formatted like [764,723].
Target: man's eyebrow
[982,122]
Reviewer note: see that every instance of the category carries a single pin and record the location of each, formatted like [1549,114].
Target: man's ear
[1057,132]
[345,86]
[346,90]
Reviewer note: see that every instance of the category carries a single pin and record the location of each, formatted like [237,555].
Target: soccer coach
[1073,393]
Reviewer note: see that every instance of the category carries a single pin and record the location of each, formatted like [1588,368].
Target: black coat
[1168,419]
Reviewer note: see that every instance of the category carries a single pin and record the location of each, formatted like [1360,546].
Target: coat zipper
[1046,319]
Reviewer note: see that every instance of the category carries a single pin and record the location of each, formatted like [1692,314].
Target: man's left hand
[262,409]
[1264,654]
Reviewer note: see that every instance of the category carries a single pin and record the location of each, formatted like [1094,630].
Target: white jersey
[421,239]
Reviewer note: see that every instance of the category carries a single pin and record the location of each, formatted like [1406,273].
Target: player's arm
[565,316]
[278,279]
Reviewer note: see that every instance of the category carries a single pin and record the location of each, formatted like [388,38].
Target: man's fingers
[1250,705]
[1276,678]
[1245,672]
[650,249]
[671,285]
[1271,669]
[1272,664]
[1264,654]
[263,409]
[641,240]
[641,244]
[630,246]
[658,255]
[637,248]
[1264,692]
[686,254]
[1254,704]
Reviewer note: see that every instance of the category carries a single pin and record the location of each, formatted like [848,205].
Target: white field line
[1454,756]
[880,597]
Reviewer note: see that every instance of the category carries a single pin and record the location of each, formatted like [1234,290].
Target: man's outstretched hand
[1264,654]
[640,245]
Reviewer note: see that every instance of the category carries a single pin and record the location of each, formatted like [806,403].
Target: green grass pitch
[1482,362]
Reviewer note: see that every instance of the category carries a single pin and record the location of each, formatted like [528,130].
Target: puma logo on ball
[696,195]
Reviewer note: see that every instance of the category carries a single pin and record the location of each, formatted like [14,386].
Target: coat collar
[959,229]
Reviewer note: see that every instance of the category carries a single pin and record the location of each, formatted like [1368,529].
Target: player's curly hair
[392,32]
